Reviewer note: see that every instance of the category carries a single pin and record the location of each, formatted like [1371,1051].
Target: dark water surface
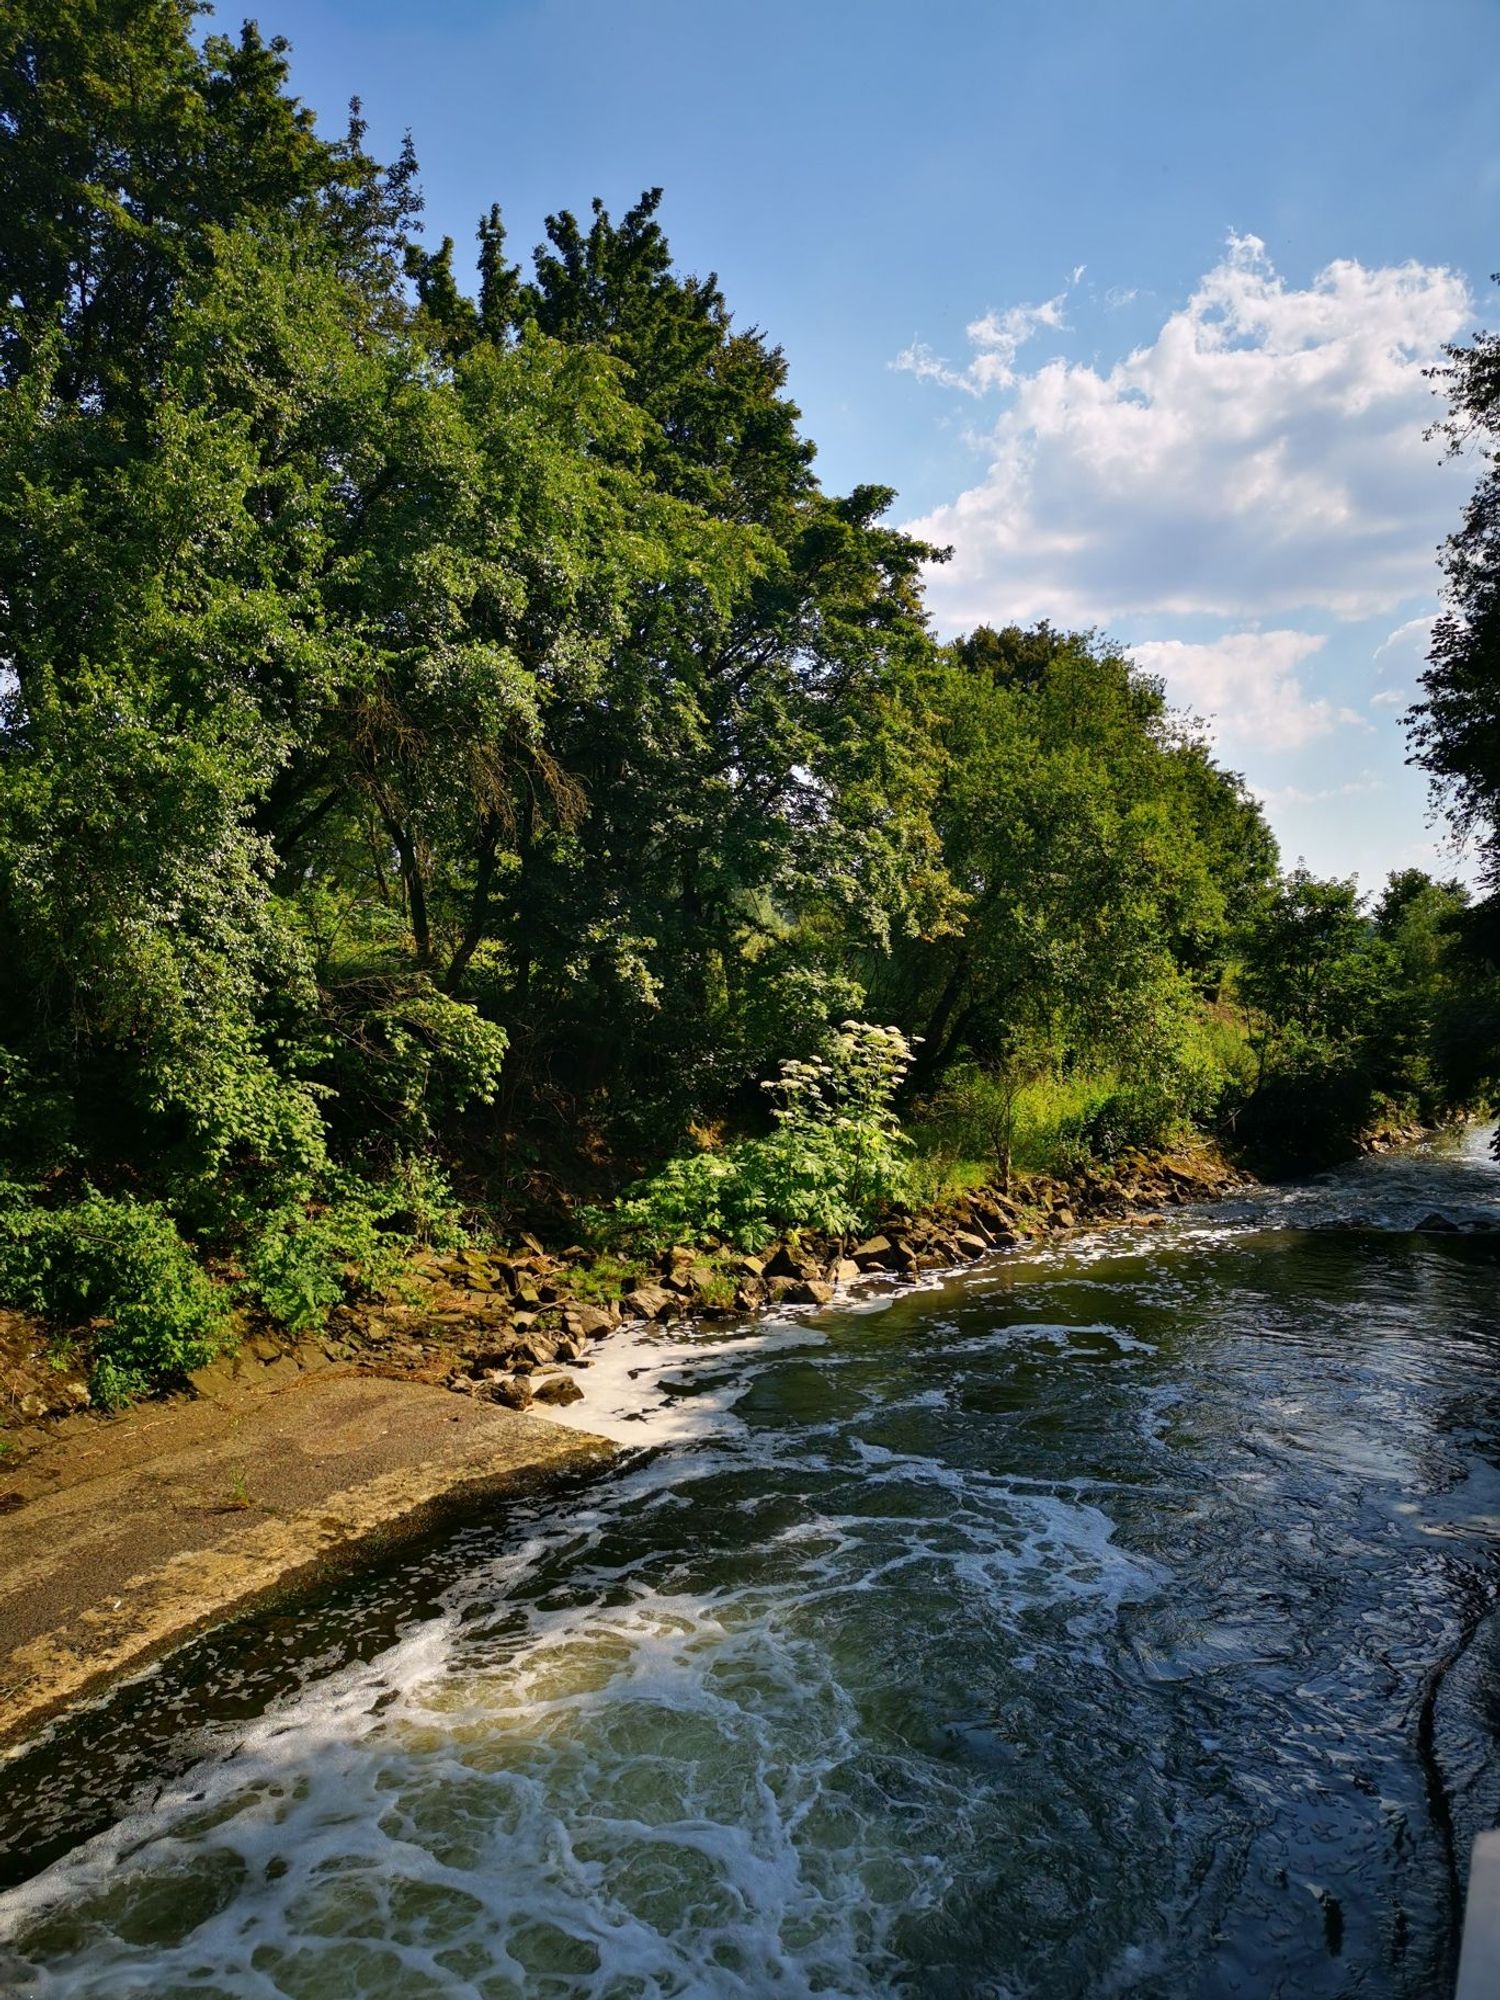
[1110,1622]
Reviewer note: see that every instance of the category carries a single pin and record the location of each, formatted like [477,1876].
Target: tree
[1455,728]
[1100,853]
[125,147]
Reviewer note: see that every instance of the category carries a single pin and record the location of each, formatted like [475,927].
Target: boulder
[789,1263]
[649,1302]
[969,1243]
[872,1253]
[588,1322]
[536,1348]
[513,1394]
[844,1271]
[557,1389]
[808,1292]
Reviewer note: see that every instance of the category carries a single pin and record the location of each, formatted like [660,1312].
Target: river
[1109,1619]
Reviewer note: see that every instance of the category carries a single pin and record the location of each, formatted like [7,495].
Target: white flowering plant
[834,1160]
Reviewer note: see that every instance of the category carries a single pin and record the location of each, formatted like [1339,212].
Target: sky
[1130,300]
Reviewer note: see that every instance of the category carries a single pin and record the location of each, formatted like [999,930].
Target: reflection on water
[1109,1621]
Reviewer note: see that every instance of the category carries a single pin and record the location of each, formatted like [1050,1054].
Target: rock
[872,1253]
[558,1389]
[969,1243]
[1437,1225]
[844,1271]
[527,1295]
[213,1379]
[535,1351]
[808,1292]
[649,1301]
[749,1267]
[783,1263]
[532,1244]
[462,1385]
[1064,1218]
[567,1349]
[514,1394]
[588,1322]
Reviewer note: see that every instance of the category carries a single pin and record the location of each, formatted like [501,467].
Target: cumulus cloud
[1263,454]
[1245,687]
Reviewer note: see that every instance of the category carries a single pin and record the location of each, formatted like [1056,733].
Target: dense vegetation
[454,756]
[1455,727]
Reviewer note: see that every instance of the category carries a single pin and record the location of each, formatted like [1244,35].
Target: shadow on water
[1114,1620]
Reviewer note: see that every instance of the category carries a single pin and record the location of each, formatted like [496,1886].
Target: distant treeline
[449,740]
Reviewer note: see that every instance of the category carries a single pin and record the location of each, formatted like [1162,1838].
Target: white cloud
[997,338]
[1264,454]
[1390,698]
[1298,795]
[1245,686]
[1408,644]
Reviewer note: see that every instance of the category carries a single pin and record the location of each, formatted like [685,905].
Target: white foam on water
[632,1387]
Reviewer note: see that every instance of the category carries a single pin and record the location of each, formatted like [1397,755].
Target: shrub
[305,1258]
[835,1158]
[120,1264]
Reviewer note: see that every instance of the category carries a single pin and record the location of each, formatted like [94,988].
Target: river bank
[175,1518]
[120,1535]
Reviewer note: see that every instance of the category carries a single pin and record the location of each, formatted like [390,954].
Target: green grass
[1060,1122]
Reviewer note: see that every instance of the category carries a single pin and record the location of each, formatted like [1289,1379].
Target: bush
[121,1265]
[835,1159]
[305,1258]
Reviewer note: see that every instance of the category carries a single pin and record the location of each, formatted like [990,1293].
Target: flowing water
[1111,1619]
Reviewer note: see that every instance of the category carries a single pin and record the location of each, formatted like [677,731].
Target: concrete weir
[111,1558]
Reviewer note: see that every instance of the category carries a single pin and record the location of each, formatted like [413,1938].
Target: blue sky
[1129,301]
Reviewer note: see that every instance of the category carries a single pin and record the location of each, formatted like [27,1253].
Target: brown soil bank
[116,1547]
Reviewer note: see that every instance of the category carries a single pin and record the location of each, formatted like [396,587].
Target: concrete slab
[109,1558]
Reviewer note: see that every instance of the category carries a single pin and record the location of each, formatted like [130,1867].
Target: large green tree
[1102,856]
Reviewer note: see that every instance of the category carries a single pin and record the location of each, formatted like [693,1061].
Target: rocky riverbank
[120,1535]
[519,1326]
